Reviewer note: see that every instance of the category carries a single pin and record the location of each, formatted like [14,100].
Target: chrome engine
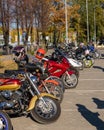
[9,99]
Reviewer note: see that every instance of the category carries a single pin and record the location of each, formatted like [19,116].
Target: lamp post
[95,31]
[87,21]
[95,25]
[66,21]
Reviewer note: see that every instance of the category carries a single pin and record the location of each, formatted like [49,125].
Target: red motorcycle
[59,66]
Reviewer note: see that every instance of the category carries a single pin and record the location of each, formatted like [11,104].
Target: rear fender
[35,98]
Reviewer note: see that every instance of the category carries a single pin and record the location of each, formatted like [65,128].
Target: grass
[6,63]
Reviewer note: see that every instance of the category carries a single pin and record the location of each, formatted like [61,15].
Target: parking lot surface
[82,107]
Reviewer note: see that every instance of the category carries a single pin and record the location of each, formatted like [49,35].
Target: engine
[10,100]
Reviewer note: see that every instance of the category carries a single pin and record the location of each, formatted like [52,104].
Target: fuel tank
[9,84]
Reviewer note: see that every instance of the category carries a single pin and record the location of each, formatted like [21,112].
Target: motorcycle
[44,84]
[60,67]
[70,55]
[86,59]
[47,84]
[94,52]
[57,79]
[50,77]
[5,122]
[22,97]
[53,86]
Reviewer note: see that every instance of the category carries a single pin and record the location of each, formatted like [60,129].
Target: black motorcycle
[22,97]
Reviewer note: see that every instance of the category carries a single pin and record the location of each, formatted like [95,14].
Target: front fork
[35,98]
[68,75]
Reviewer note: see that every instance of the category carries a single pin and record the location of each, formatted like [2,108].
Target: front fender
[35,98]
[70,72]
[51,81]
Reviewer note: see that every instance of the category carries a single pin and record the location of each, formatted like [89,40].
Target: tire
[5,122]
[70,83]
[43,114]
[59,81]
[56,91]
[88,63]
[96,55]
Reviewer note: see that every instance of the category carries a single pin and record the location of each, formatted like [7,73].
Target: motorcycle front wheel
[46,110]
[88,63]
[70,81]
[5,122]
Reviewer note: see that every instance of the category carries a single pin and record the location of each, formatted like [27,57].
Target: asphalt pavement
[82,107]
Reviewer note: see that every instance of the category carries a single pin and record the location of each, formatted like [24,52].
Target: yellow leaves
[74,11]
[57,16]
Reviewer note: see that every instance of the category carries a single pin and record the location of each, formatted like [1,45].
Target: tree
[57,18]
[5,18]
[95,4]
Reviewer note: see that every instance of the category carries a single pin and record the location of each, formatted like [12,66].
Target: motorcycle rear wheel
[70,82]
[5,122]
[46,110]
[96,55]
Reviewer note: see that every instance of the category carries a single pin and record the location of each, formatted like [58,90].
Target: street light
[87,21]
[66,21]
[95,24]
[102,6]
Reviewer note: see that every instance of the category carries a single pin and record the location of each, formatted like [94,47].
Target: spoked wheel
[5,122]
[96,55]
[46,110]
[70,81]
[88,63]
[55,90]
[59,81]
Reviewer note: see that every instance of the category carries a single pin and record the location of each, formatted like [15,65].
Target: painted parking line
[84,91]
[75,110]
[91,79]
[92,71]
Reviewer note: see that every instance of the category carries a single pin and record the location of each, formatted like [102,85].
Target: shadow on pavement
[98,67]
[91,117]
[99,103]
